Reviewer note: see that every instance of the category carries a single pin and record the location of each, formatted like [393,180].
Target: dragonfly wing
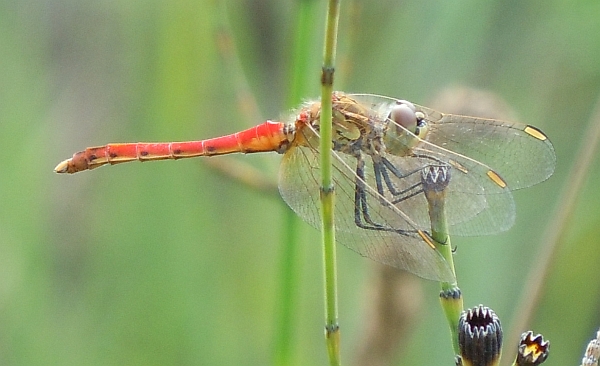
[478,200]
[299,185]
[488,159]
[521,154]
[474,205]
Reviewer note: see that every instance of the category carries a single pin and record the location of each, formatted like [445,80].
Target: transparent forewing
[488,158]
[381,209]
[474,204]
[520,154]
[396,243]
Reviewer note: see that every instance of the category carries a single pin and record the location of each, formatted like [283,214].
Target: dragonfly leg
[395,191]
[382,170]
[362,217]
[437,165]
[361,209]
[394,169]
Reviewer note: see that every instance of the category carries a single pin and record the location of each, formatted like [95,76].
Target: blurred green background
[173,263]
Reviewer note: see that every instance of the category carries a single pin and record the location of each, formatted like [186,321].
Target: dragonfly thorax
[355,130]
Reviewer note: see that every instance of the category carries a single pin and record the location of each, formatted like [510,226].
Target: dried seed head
[479,337]
[533,350]
[592,352]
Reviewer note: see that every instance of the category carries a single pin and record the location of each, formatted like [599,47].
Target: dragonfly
[383,150]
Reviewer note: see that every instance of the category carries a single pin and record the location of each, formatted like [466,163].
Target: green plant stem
[290,265]
[303,43]
[450,297]
[332,331]
[283,350]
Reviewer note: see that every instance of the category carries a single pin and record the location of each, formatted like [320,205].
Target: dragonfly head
[405,115]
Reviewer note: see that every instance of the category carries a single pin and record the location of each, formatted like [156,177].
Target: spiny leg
[362,217]
[381,167]
[409,192]
[392,187]
[361,209]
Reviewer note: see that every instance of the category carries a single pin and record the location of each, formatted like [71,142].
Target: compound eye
[407,103]
[405,116]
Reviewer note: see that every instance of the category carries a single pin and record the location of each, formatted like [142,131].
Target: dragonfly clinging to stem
[383,148]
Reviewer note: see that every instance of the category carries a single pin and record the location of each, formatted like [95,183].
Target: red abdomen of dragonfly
[269,136]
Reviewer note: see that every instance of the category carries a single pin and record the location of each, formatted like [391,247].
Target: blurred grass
[168,263]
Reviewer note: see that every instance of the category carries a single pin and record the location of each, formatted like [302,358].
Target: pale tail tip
[63,166]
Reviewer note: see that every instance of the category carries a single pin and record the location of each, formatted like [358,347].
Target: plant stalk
[332,330]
